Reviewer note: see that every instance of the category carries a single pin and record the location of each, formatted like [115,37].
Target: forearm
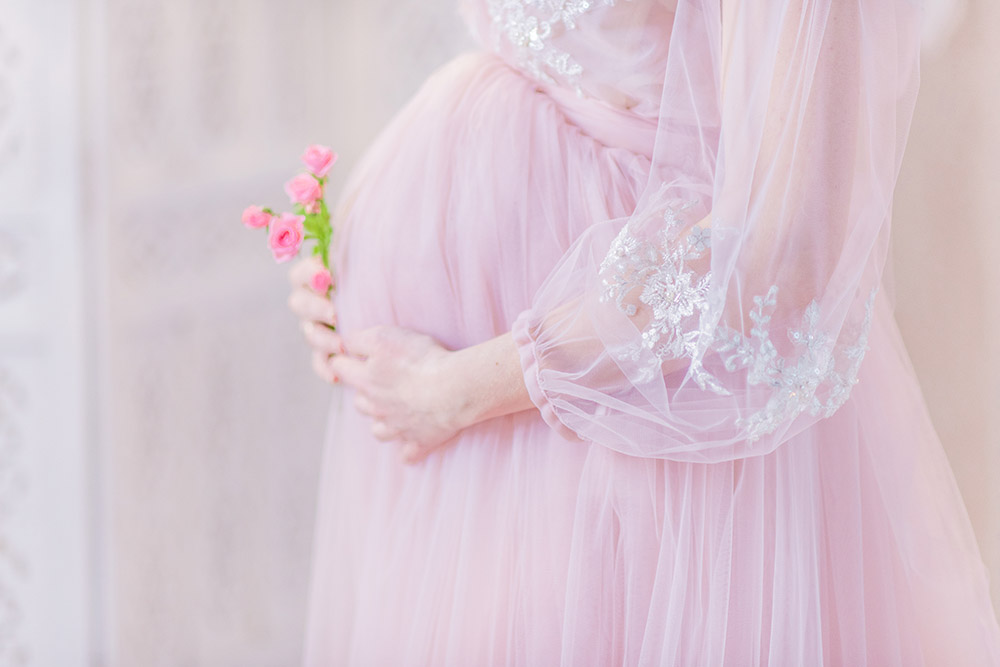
[488,380]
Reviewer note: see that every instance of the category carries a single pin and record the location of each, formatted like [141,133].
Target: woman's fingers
[322,368]
[352,371]
[383,431]
[322,338]
[366,407]
[411,452]
[303,270]
[308,305]
[366,342]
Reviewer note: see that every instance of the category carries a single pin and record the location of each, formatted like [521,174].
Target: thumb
[363,343]
[353,372]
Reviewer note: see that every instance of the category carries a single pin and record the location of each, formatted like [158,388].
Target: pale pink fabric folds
[681,210]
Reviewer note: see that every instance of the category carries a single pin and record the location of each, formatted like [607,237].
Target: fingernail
[336,380]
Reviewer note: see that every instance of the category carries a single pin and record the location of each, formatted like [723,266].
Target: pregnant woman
[621,383]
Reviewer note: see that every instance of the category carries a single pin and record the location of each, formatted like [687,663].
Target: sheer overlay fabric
[681,210]
[732,309]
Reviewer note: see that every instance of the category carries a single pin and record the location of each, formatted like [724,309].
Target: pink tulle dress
[640,526]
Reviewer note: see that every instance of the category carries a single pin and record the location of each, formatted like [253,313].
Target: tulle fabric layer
[848,545]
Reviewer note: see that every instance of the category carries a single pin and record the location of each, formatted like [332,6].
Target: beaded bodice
[614,50]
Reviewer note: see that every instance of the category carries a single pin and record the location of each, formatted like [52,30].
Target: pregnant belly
[467,200]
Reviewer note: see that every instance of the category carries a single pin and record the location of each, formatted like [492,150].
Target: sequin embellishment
[531,25]
[817,379]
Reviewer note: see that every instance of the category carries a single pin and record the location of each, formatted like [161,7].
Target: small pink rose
[319,159]
[303,189]
[255,217]
[321,281]
[285,237]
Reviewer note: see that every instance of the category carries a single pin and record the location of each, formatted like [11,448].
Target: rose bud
[255,217]
[321,281]
[303,189]
[319,159]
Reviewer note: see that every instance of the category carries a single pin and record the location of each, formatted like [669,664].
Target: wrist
[464,392]
[486,381]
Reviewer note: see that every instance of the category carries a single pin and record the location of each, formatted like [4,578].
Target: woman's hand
[316,314]
[408,384]
[416,392]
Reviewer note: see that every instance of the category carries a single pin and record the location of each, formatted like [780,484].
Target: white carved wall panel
[213,422]
[44,520]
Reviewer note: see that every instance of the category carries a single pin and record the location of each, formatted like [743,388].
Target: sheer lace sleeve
[732,309]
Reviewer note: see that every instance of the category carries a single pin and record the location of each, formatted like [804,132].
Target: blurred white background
[160,429]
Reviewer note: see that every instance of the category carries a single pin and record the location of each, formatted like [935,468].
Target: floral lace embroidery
[529,26]
[818,379]
[672,293]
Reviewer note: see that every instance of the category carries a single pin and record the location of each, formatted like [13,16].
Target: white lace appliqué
[530,25]
[817,379]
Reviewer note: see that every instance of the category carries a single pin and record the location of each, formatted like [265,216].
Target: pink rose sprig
[309,221]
